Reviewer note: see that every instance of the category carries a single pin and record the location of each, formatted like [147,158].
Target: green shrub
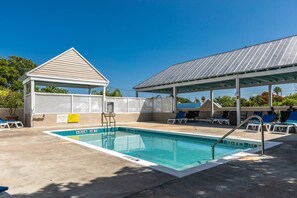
[10,99]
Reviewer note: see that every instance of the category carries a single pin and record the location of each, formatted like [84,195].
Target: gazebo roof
[260,64]
[69,69]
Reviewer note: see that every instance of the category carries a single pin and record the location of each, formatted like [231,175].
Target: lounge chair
[4,125]
[222,119]
[180,117]
[267,122]
[287,125]
[3,193]
[17,123]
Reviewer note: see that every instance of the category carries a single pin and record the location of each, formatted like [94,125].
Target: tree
[10,99]
[115,93]
[12,69]
[196,100]
[258,100]
[52,89]
[203,99]
[289,102]
[183,100]
[277,90]
[95,92]
[225,101]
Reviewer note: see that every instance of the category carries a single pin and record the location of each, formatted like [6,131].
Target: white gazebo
[69,69]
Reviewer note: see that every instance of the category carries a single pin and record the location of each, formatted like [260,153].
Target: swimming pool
[169,150]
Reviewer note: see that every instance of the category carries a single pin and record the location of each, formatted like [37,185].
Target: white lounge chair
[267,122]
[4,126]
[180,118]
[287,125]
[16,123]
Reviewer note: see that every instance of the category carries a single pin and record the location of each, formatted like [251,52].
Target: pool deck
[35,164]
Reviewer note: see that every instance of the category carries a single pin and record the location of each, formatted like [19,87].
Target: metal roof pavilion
[268,63]
[256,65]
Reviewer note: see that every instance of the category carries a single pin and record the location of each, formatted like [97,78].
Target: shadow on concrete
[126,181]
[273,175]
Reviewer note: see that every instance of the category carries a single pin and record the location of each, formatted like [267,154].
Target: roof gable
[68,65]
[206,106]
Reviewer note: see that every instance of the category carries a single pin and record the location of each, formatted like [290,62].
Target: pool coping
[176,173]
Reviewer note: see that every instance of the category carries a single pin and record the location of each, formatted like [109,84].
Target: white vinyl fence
[78,103]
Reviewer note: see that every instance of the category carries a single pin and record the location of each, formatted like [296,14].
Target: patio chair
[180,117]
[4,125]
[285,127]
[267,122]
[3,193]
[17,123]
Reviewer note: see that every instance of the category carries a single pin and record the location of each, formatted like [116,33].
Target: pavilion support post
[136,94]
[90,99]
[104,100]
[174,99]
[270,100]
[32,101]
[238,106]
[24,111]
[211,106]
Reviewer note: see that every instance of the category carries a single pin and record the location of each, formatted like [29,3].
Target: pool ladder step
[107,119]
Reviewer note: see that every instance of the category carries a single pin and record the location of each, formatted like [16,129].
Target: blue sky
[129,41]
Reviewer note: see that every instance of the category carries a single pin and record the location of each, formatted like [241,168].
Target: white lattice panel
[47,103]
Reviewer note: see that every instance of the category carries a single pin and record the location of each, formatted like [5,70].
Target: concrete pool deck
[34,164]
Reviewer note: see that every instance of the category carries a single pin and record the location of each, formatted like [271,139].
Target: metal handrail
[237,127]
[108,120]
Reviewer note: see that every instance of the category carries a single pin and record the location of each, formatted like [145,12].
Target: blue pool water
[170,150]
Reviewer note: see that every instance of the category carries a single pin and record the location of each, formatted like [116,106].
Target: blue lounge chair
[17,123]
[180,117]
[267,122]
[287,125]
[3,193]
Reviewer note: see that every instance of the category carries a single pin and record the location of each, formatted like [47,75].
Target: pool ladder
[108,119]
[237,127]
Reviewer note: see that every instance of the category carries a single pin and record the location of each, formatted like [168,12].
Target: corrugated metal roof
[258,57]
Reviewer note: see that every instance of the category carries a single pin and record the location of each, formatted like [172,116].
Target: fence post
[72,103]
[90,103]
[127,105]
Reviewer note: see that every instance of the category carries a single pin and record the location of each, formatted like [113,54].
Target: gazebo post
[90,99]
[238,110]
[174,99]
[136,94]
[24,111]
[104,100]
[32,101]
[211,106]
[270,100]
